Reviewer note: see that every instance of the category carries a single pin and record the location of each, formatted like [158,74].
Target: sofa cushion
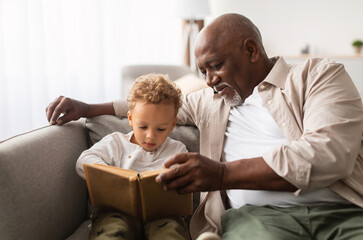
[131,72]
[82,231]
[100,126]
[190,83]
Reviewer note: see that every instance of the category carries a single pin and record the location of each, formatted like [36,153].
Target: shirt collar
[129,136]
[278,74]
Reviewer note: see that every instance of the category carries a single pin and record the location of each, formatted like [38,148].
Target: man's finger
[178,183]
[62,107]
[64,118]
[189,188]
[177,170]
[50,108]
[176,159]
[170,174]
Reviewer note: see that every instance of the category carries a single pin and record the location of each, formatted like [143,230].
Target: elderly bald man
[280,146]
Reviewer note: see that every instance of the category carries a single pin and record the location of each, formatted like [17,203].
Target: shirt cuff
[290,167]
[121,107]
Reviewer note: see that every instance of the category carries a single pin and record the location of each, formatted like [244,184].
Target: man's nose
[212,79]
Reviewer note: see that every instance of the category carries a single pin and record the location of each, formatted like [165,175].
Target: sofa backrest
[131,72]
[100,126]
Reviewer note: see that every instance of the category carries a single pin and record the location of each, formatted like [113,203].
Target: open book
[135,194]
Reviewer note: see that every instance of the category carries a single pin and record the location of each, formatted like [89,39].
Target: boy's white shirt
[116,149]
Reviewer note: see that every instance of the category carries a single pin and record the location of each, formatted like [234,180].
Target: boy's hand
[193,173]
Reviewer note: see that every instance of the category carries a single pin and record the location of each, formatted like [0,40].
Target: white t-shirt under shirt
[116,149]
[251,131]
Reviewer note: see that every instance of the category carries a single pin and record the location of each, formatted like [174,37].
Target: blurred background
[77,48]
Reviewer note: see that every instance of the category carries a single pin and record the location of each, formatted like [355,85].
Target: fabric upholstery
[82,231]
[100,126]
[131,72]
[190,83]
[41,195]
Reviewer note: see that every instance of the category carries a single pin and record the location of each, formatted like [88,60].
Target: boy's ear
[129,117]
[174,123]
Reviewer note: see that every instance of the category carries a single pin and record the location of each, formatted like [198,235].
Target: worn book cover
[136,194]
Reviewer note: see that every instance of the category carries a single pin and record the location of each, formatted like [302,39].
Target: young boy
[154,102]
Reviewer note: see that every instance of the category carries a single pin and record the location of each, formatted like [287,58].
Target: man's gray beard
[236,100]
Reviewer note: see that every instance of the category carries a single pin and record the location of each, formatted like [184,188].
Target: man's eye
[161,129]
[203,72]
[217,66]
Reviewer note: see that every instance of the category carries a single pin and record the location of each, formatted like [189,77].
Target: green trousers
[301,222]
[107,225]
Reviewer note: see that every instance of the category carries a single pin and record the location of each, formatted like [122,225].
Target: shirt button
[262,87]
[269,101]
[129,156]
[151,153]
[283,124]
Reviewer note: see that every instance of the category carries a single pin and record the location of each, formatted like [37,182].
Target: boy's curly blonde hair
[155,88]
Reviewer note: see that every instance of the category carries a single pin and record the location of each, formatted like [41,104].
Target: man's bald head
[230,27]
[229,52]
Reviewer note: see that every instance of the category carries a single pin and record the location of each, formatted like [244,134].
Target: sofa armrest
[41,195]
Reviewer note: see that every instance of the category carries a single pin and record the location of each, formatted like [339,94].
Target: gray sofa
[41,195]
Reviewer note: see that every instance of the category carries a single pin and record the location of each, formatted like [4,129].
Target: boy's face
[152,124]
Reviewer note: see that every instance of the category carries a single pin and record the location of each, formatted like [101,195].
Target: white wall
[328,26]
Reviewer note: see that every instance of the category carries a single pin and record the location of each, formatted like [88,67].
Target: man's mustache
[215,87]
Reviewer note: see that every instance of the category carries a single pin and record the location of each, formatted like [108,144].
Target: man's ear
[251,48]
[129,117]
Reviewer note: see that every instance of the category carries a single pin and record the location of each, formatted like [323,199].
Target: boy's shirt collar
[129,136]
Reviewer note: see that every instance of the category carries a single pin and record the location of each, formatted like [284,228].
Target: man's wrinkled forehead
[205,55]
[209,34]
[207,40]
[211,48]
[201,41]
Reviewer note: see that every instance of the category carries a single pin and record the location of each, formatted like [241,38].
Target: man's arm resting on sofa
[73,110]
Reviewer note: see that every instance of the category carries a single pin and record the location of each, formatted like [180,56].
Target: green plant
[357,43]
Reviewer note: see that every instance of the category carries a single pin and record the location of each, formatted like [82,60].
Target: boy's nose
[150,134]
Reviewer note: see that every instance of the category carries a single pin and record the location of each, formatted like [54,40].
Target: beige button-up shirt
[319,111]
